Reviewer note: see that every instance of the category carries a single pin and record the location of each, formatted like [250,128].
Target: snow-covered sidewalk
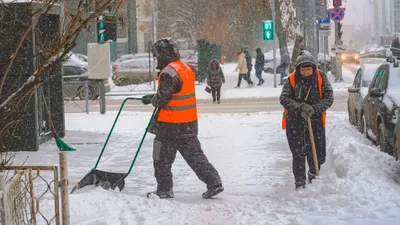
[358,184]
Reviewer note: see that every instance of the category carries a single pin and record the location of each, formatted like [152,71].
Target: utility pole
[132,26]
[310,28]
[154,19]
[274,52]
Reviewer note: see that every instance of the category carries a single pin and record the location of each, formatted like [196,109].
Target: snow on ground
[358,184]
[228,91]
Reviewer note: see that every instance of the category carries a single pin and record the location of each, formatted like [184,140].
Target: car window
[384,79]
[378,78]
[375,79]
[69,71]
[357,79]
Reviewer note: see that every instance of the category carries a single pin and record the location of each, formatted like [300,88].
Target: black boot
[161,194]
[300,184]
[211,192]
[310,177]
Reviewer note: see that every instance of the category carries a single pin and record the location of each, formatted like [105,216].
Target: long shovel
[111,180]
[314,150]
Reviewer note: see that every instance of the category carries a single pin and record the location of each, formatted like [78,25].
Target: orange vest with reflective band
[293,84]
[182,106]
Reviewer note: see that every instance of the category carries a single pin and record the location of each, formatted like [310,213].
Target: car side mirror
[352,89]
[376,92]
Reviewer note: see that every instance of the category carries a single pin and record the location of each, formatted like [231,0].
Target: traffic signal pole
[310,28]
[274,52]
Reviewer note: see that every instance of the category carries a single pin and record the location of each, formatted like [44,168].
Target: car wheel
[396,149]
[383,140]
[91,93]
[361,125]
[364,127]
[351,121]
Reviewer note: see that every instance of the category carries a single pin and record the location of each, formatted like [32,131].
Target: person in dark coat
[215,79]
[174,100]
[302,101]
[249,67]
[260,61]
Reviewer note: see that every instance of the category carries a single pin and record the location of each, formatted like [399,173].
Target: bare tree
[14,105]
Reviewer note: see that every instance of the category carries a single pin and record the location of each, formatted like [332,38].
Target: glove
[307,111]
[147,99]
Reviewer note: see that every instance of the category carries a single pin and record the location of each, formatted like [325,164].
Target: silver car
[357,93]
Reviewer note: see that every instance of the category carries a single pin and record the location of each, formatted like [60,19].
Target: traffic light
[100,29]
[106,28]
[337,3]
[268,30]
[339,30]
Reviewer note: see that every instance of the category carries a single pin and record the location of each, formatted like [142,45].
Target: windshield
[368,76]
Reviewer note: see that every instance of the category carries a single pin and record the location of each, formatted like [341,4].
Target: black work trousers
[164,154]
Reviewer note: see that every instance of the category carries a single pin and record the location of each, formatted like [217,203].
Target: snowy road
[358,184]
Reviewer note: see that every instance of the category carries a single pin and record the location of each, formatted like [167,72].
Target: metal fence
[30,196]
[73,90]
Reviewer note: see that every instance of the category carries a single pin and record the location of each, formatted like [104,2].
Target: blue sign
[337,14]
[326,20]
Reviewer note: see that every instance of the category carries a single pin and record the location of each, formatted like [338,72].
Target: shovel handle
[314,150]
[112,128]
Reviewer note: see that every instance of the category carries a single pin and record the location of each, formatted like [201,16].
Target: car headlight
[343,57]
[356,56]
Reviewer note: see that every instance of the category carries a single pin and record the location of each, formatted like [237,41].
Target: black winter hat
[305,59]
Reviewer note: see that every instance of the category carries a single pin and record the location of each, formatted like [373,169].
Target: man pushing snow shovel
[306,96]
[175,124]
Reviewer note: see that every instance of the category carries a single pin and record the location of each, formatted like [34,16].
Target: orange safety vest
[182,106]
[293,84]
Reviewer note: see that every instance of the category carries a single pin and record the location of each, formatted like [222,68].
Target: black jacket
[260,59]
[170,83]
[292,98]
[215,77]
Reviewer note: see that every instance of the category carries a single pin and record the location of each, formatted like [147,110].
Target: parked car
[74,87]
[350,54]
[357,93]
[192,61]
[134,71]
[380,105]
[82,57]
[396,139]
[128,57]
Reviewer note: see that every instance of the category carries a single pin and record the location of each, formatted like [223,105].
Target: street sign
[326,20]
[336,14]
[268,30]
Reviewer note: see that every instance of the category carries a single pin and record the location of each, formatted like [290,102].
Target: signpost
[337,15]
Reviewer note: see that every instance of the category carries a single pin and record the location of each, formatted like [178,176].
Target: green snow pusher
[111,180]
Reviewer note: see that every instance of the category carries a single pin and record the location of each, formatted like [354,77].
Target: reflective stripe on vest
[182,106]
[293,84]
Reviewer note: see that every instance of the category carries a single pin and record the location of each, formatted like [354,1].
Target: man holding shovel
[306,96]
[175,125]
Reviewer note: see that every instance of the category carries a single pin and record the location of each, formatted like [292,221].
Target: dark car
[73,85]
[358,91]
[380,105]
[396,149]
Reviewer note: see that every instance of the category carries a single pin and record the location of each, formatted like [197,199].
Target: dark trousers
[245,77]
[300,146]
[164,154]
[216,93]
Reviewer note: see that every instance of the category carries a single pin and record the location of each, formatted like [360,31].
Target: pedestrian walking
[306,93]
[260,62]
[215,79]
